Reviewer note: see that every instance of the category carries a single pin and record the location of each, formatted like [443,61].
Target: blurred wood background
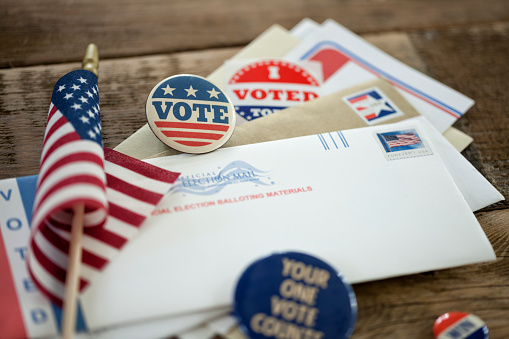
[462,43]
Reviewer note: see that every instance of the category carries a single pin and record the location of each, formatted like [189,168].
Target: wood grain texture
[124,84]
[42,32]
[463,43]
[25,95]
[473,60]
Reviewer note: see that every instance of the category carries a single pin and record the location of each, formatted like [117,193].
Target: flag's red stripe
[126,215]
[53,298]
[93,260]
[56,271]
[105,236]
[52,111]
[90,204]
[174,124]
[192,143]
[62,244]
[65,206]
[59,123]
[49,266]
[194,135]
[132,190]
[139,166]
[69,137]
[73,157]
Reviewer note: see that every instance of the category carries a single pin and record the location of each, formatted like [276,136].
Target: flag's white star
[191,91]
[75,87]
[96,129]
[96,110]
[91,134]
[378,105]
[90,114]
[76,106]
[213,93]
[83,100]
[68,96]
[83,81]
[61,88]
[89,94]
[168,90]
[93,90]
[84,119]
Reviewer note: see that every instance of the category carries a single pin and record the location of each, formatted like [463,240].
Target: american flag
[399,140]
[119,192]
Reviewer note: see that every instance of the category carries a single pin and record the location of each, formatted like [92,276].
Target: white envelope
[350,60]
[340,196]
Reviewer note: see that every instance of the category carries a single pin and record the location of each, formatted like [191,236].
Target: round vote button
[294,295]
[190,114]
[460,325]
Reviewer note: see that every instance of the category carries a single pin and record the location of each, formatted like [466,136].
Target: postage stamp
[402,144]
[373,106]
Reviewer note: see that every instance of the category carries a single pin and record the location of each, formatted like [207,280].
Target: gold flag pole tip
[91,59]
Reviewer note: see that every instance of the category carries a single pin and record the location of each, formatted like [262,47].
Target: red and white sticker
[262,87]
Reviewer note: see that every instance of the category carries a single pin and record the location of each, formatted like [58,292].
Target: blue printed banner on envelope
[373,106]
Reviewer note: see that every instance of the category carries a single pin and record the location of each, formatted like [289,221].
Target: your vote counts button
[294,295]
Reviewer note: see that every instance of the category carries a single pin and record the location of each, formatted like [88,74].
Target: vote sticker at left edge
[190,114]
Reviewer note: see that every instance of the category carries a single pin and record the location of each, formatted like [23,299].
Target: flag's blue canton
[189,88]
[76,96]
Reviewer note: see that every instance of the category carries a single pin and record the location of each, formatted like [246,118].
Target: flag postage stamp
[372,106]
[403,144]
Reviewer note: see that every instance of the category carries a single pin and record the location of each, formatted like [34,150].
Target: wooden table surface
[462,43]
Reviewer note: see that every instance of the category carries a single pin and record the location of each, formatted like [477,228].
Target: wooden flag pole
[73,272]
[72,281]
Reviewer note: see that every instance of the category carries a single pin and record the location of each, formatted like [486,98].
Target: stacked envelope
[368,177]
[342,152]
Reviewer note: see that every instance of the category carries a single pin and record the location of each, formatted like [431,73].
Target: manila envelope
[324,114]
[364,200]
[330,113]
[274,42]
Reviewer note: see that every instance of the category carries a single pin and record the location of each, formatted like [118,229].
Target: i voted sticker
[190,114]
[294,295]
[266,86]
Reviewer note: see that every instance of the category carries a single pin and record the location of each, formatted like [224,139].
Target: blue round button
[190,114]
[294,295]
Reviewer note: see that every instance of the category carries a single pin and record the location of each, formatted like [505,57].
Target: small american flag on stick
[117,191]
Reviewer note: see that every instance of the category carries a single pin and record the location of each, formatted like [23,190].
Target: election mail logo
[190,114]
[373,106]
[209,183]
[266,86]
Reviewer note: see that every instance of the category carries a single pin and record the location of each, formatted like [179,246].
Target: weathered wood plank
[124,84]
[44,32]
[474,62]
